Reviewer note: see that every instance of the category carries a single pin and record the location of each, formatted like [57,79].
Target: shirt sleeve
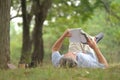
[56,56]
[87,61]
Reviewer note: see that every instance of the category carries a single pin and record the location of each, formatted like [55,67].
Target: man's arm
[57,45]
[99,55]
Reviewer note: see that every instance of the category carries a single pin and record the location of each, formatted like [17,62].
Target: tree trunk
[26,49]
[40,15]
[38,51]
[4,33]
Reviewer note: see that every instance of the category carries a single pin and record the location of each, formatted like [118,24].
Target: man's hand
[91,43]
[67,33]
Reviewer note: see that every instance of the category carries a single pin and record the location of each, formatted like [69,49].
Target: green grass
[48,72]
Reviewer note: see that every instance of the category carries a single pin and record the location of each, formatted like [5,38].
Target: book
[78,36]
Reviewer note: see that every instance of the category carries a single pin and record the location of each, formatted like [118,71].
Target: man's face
[70,54]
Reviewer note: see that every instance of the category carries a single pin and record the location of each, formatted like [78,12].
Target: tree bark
[40,16]
[4,33]
[26,49]
[38,51]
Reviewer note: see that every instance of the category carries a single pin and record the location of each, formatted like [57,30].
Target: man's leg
[75,47]
[79,47]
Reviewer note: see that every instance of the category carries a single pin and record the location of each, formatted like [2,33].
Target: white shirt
[84,60]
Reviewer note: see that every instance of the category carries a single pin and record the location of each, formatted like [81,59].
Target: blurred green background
[93,22]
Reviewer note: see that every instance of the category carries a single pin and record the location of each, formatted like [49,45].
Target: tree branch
[15,16]
[109,11]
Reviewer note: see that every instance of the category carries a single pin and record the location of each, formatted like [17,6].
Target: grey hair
[68,62]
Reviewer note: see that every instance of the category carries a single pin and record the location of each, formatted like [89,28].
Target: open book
[78,35]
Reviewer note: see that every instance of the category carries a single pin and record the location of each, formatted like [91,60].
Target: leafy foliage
[81,9]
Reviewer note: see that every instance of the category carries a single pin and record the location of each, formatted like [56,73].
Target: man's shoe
[99,37]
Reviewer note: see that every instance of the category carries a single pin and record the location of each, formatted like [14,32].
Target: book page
[77,36]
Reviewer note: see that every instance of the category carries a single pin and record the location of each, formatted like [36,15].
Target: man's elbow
[54,49]
[106,65]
